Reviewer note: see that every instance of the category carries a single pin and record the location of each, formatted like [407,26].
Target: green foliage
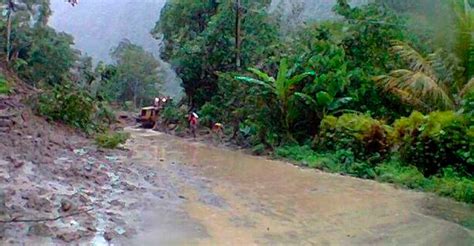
[396,173]
[135,76]
[209,114]
[428,82]
[464,44]
[342,161]
[305,156]
[38,53]
[68,104]
[279,89]
[104,115]
[258,149]
[4,87]
[48,59]
[110,140]
[172,114]
[450,184]
[367,42]
[327,92]
[200,41]
[366,137]
[435,141]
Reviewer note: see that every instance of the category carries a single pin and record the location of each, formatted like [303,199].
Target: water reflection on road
[234,199]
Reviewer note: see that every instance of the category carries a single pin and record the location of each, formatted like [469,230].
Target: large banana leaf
[253,81]
[281,80]
[306,98]
[262,75]
[324,99]
[339,102]
[297,78]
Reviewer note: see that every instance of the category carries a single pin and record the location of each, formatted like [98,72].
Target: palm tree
[428,82]
[282,88]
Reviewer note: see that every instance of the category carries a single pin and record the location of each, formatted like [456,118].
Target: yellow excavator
[149,116]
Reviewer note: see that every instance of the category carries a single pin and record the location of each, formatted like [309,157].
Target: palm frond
[469,87]
[417,62]
[411,85]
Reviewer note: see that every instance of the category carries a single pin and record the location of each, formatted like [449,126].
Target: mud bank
[56,187]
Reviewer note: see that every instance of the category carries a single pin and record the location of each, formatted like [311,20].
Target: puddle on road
[234,199]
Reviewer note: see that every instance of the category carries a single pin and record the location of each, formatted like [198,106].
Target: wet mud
[229,198]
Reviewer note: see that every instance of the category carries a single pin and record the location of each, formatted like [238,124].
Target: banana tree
[282,88]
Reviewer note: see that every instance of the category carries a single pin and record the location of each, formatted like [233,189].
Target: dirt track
[229,198]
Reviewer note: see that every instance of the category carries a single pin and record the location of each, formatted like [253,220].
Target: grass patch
[4,87]
[449,184]
[111,140]
[406,176]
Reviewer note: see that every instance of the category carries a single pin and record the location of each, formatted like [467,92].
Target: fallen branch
[16,220]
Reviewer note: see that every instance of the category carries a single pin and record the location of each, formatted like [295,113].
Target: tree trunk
[238,22]
[9,29]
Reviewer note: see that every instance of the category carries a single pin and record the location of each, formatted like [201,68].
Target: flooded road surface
[229,198]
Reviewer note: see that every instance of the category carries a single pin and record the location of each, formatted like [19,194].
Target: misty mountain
[99,25]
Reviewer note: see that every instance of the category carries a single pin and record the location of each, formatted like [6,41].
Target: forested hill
[99,25]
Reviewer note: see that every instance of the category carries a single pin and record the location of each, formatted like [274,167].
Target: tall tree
[201,39]
[136,76]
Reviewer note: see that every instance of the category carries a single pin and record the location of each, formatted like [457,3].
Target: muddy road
[222,197]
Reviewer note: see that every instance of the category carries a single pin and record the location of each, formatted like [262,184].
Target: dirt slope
[57,187]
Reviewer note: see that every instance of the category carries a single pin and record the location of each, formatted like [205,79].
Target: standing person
[193,123]
[218,130]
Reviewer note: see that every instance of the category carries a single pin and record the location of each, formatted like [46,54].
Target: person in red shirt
[193,123]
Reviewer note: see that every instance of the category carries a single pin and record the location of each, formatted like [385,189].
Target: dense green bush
[209,114]
[435,141]
[111,140]
[367,138]
[68,104]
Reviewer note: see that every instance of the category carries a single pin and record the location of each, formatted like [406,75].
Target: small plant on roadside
[4,87]
[451,184]
[396,173]
[110,140]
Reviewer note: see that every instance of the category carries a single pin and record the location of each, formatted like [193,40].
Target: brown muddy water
[230,198]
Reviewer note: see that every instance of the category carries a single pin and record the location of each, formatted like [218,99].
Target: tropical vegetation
[367,94]
[382,91]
